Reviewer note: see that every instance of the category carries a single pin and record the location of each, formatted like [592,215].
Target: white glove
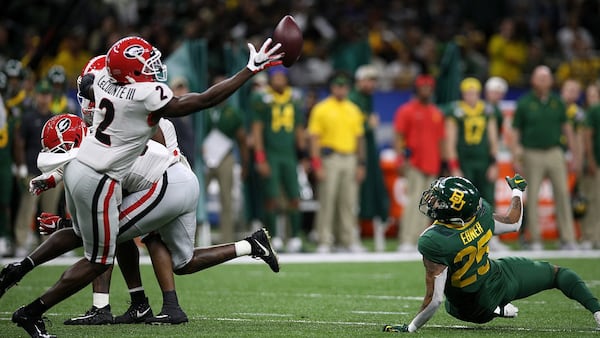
[41,183]
[263,58]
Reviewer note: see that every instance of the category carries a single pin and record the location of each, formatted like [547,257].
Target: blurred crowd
[351,49]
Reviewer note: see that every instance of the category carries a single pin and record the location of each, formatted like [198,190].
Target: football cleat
[260,241]
[34,325]
[137,313]
[94,316]
[172,316]
[10,276]
[395,328]
[507,311]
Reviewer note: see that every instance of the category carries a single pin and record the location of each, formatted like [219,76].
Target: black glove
[84,86]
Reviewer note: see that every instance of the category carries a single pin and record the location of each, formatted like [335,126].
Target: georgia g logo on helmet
[63,125]
[133,52]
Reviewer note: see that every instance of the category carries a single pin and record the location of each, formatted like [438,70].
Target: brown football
[289,35]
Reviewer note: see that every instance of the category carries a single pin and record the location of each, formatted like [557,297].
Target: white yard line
[371,257]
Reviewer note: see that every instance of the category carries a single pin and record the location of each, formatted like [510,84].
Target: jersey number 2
[109,115]
[473,254]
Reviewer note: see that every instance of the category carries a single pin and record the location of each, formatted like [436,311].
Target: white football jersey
[121,123]
[148,167]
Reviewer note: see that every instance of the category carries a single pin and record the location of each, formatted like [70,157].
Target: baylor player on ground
[455,254]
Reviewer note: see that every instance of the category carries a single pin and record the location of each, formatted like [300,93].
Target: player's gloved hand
[265,57]
[41,183]
[48,223]
[395,328]
[84,83]
[516,182]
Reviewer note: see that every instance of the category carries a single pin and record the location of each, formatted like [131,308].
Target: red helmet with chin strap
[62,133]
[133,59]
[95,64]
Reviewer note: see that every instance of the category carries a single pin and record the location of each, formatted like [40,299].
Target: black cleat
[260,241]
[34,325]
[10,276]
[94,316]
[170,316]
[137,313]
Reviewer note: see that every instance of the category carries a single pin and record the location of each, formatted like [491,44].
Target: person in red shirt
[419,131]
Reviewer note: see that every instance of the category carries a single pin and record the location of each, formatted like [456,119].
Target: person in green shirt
[373,196]
[224,122]
[277,133]
[539,122]
[590,182]
[455,255]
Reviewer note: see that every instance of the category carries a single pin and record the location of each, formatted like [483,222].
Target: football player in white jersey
[130,102]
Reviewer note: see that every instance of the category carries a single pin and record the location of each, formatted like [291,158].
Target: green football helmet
[450,199]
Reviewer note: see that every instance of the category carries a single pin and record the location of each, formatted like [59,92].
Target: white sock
[242,248]
[100,300]
[597,317]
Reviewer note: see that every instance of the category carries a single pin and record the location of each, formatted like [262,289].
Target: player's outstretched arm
[435,281]
[513,218]
[267,56]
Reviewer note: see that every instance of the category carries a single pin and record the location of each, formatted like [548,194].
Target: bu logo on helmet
[63,125]
[134,51]
[457,200]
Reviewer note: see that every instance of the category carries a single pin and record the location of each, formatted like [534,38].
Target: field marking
[454,327]
[369,257]
[379,312]
[258,314]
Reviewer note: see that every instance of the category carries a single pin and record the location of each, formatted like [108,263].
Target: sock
[36,308]
[170,299]
[597,317]
[295,221]
[27,264]
[100,299]
[242,248]
[573,287]
[137,295]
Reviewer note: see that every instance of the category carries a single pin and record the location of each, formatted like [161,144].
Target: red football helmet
[62,133]
[87,107]
[133,59]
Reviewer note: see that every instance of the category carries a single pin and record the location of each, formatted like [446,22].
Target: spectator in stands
[540,119]
[73,55]
[419,133]
[401,72]
[373,197]
[337,155]
[508,53]
[184,125]
[583,66]
[29,147]
[590,182]
[572,31]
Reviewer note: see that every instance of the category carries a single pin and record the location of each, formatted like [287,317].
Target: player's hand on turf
[41,183]
[48,223]
[266,57]
[516,182]
[395,328]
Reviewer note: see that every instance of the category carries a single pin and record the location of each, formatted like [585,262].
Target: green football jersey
[472,276]
[472,123]
[280,115]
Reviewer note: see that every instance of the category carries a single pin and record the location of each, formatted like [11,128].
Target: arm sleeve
[438,296]
[502,228]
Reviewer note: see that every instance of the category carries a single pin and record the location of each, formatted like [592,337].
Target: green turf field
[304,300]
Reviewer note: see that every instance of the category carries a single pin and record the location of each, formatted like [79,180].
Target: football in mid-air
[288,33]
